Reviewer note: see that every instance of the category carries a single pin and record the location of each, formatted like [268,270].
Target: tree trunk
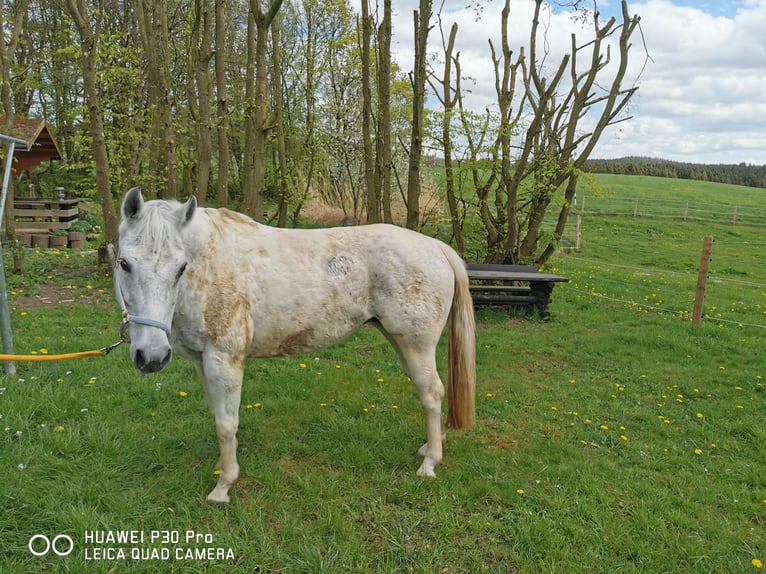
[78,10]
[284,189]
[153,27]
[448,102]
[383,152]
[259,108]
[422,18]
[6,94]
[222,111]
[201,55]
[372,197]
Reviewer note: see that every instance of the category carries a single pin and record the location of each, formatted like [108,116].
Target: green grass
[589,453]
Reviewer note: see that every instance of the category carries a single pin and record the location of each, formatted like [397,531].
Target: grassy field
[612,438]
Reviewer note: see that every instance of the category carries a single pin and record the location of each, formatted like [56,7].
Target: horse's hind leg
[419,362]
[223,385]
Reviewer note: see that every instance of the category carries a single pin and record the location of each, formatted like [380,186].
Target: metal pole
[5,312]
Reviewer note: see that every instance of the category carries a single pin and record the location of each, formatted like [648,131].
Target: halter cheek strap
[127,318]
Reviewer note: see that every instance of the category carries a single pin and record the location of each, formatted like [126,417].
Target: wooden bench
[40,216]
[512,285]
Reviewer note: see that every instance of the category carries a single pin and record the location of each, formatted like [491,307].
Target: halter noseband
[127,318]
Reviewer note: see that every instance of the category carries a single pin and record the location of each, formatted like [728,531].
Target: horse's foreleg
[223,384]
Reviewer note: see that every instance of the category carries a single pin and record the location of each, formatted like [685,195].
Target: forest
[262,105]
[736,174]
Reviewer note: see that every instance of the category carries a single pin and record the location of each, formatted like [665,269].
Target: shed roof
[41,145]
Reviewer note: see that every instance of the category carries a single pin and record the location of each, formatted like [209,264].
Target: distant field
[653,260]
[612,438]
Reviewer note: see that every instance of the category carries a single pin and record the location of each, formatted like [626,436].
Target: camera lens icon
[41,545]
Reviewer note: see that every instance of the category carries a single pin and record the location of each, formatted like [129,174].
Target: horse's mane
[155,226]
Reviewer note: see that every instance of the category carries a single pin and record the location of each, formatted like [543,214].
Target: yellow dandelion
[604,427]
[698,451]
[258,405]
[322,404]
[700,416]
[59,428]
[757,563]
[248,406]
[23,313]
[182,393]
[302,365]
[520,491]
[43,351]
[337,366]
[380,380]
[217,471]
[623,437]
[394,406]
[366,410]
[489,395]
[59,380]
[554,408]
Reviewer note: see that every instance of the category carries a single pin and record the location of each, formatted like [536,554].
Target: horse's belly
[298,339]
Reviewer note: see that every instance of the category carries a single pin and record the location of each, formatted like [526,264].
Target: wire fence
[658,272]
[684,210]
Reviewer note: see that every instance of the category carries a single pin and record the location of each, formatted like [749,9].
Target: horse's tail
[461,381]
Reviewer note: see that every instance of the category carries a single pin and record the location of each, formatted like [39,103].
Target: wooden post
[699,298]
[578,231]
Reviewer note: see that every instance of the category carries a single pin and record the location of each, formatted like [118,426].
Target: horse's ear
[189,207]
[132,203]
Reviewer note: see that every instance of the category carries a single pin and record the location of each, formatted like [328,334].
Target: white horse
[217,287]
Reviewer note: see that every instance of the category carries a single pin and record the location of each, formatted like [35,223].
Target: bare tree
[553,144]
[421,18]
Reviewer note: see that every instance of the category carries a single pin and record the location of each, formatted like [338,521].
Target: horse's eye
[124,265]
[181,271]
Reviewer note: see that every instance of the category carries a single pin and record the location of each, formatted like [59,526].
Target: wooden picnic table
[512,285]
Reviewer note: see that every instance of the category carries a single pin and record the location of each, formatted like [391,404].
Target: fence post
[578,231]
[699,298]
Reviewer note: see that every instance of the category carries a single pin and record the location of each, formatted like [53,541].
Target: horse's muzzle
[152,361]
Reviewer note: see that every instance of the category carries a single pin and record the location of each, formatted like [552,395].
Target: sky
[702,88]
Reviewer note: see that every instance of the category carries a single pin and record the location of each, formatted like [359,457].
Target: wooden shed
[41,145]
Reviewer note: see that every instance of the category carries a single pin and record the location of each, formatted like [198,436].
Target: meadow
[613,437]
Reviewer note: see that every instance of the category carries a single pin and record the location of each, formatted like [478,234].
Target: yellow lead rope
[80,355]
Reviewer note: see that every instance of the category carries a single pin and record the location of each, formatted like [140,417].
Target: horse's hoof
[218,497]
[426,472]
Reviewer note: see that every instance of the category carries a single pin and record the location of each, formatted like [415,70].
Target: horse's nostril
[140,360]
[146,363]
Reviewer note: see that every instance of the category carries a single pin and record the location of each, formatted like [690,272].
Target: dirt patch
[56,295]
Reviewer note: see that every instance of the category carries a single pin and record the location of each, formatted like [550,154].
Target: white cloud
[701,98]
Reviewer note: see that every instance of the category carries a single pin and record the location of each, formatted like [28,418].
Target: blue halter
[127,318]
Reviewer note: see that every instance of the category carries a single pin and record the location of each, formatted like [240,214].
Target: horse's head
[150,264]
